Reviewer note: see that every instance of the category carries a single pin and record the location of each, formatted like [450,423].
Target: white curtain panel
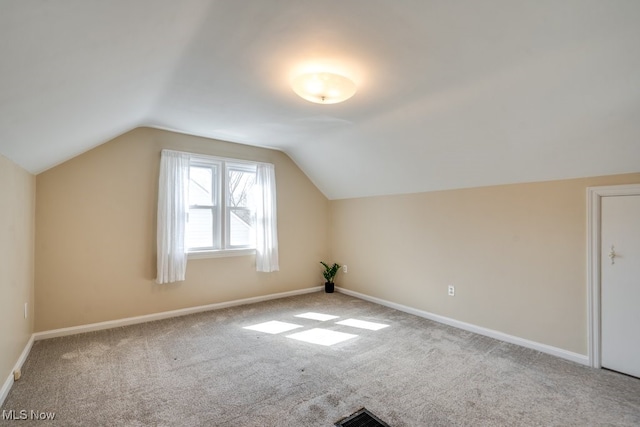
[266,219]
[173,193]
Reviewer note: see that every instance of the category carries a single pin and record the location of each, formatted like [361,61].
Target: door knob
[612,255]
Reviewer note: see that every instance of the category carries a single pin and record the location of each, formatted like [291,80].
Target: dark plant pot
[328,287]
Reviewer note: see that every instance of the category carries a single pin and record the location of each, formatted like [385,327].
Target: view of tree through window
[221,205]
[241,206]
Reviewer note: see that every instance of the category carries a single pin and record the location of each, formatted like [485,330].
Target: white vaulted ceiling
[451,94]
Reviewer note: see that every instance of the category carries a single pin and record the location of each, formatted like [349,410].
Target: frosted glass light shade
[323,88]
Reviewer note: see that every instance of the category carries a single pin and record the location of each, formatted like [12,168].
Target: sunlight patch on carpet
[362,324]
[321,336]
[273,327]
[317,316]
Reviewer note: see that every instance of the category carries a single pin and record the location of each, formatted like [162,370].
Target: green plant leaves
[330,272]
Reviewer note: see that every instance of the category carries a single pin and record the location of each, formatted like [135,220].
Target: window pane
[241,227]
[240,184]
[240,206]
[201,185]
[200,229]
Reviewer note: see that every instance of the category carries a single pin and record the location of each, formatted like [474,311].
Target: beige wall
[516,255]
[17,208]
[95,243]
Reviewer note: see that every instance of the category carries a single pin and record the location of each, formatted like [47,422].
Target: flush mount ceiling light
[323,87]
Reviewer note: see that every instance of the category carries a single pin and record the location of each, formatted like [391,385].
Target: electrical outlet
[452,291]
[345,270]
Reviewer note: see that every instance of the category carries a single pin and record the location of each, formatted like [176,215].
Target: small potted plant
[329,274]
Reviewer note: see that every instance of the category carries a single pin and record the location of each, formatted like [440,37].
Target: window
[222,208]
[210,206]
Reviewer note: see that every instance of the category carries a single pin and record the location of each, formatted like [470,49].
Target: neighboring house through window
[222,205]
[213,206]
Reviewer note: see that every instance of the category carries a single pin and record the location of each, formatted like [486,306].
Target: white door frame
[594,198]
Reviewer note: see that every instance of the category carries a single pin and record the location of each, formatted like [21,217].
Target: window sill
[220,254]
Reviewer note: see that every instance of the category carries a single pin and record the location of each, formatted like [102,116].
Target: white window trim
[229,252]
[221,253]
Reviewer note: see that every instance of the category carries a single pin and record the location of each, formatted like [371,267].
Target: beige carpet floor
[207,369]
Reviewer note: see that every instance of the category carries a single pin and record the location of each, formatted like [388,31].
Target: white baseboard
[4,391]
[554,351]
[544,348]
[166,314]
[6,386]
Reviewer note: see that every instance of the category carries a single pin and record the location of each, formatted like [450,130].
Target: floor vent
[361,418]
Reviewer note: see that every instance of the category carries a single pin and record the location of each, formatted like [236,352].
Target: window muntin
[221,205]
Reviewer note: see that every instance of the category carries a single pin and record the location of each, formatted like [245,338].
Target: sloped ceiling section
[450,94]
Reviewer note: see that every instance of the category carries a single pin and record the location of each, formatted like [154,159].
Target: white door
[620,284]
